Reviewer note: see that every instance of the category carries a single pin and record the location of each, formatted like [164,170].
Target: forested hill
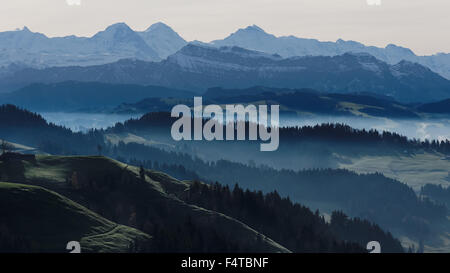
[335,132]
[385,201]
[30,128]
[275,216]
[22,126]
[146,200]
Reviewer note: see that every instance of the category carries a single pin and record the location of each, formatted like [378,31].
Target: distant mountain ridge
[119,41]
[198,67]
[300,102]
[440,107]
[85,96]
[255,38]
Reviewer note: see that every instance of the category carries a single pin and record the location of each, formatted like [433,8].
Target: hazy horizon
[418,25]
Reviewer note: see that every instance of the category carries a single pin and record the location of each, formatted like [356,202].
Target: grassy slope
[47,221]
[415,170]
[19,148]
[129,190]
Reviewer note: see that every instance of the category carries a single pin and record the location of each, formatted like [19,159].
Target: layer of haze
[421,25]
[433,128]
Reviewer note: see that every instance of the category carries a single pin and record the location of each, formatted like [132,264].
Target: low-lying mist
[431,127]
[82,122]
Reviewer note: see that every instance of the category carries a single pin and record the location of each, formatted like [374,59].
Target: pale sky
[422,25]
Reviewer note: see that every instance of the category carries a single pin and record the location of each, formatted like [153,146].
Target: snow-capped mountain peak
[159,26]
[254,28]
[116,32]
[25,29]
[121,39]
[162,39]
[250,31]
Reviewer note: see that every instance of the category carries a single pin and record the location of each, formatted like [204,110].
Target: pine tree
[142,172]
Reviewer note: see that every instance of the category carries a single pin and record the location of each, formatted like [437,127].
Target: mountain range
[255,38]
[119,41]
[198,67]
